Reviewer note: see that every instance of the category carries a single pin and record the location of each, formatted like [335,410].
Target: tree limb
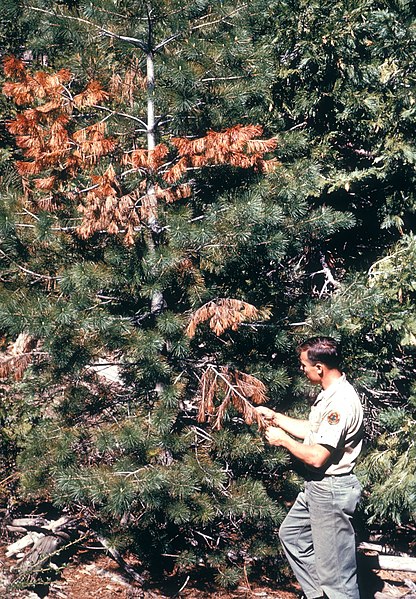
[131,40]
[124,114]
[165,42]
[120,560]
[221,20]
[30,272]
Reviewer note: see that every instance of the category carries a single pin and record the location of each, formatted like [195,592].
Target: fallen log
[391,562]
[384,549]
[48,540]
[378,560]
[382,595]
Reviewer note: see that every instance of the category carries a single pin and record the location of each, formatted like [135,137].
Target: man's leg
[332,503]
[296,537]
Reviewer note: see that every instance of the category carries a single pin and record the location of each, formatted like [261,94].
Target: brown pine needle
[224,314]
[232,384]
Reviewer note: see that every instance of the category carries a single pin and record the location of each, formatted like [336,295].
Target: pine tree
[115,277]
[196,189]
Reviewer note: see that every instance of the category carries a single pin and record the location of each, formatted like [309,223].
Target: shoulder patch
[333,418]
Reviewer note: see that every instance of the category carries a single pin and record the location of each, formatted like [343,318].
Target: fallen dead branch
[44,541]
[131,572]
[381,558]
[37,551]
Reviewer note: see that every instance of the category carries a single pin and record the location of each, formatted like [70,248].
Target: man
[317,533]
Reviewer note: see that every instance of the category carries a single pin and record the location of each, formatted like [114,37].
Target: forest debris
[95,570]
[46,540]
[390,592]
[131,572]
[410,584]
[18,546]
[386,561]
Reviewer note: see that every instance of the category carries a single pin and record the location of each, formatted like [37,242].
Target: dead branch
[47,541]
[330,284]
[235,387]
[131,572]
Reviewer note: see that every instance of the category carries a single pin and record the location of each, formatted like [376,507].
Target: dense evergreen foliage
[248,169]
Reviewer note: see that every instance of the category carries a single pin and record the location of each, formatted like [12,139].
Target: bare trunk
[151,142]
[151,133]
[150,73]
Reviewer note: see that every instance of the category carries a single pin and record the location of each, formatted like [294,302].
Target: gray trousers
[318,537]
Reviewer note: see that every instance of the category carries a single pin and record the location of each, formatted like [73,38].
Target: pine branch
[146,47]
[237,385]
[30,272]
[165,42]
[131,40]
[221,20]
[232,78]
[123,114]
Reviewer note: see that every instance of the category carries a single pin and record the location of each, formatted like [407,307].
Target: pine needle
[237,388]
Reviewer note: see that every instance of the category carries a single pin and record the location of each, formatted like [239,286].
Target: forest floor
[89,576]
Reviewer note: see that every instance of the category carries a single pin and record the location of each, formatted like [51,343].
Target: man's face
[309,370]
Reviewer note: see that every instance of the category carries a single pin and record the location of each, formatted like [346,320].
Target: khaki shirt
[336,421]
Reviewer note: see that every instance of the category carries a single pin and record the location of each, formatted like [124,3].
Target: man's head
[319,356]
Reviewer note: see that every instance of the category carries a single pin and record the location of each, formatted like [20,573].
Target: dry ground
[99,577]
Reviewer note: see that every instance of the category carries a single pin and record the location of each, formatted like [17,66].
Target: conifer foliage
[113,235]
[54,148]
[188,189]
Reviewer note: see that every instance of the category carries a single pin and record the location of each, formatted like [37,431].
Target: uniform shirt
[336,421]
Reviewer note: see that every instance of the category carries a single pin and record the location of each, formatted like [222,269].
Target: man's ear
[319,368]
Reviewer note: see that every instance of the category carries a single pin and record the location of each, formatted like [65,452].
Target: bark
[382,559]
[120,560]
[48,540]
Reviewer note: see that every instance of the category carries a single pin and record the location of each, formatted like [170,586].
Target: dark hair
[322,349]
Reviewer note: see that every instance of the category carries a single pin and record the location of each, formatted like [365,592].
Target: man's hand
[275,435]
[295,427]
[313,455]
[270,415]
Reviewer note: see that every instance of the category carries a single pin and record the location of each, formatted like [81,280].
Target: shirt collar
[331,390]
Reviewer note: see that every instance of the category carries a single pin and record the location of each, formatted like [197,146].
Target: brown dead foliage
[234,389]
[17,357]
[224,314]
[234,146]
[56,152]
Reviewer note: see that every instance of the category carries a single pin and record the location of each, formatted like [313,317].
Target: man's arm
[313,455]
[293,426]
